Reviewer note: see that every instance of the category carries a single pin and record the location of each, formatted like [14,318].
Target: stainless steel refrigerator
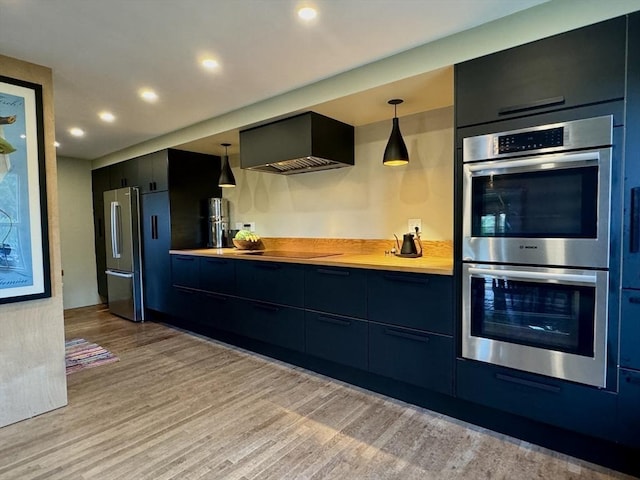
[124,256]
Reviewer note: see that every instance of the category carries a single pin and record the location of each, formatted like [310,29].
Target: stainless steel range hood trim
[299,165]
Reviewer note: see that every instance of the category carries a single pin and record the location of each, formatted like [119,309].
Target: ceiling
[103,52]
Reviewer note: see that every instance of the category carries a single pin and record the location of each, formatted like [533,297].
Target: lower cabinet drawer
[270,323]
[186,303]
[218,311]
[630,329]
[339,339]
[576,407]
[412,356]
[629,408]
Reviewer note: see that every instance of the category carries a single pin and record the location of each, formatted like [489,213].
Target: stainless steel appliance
[218,223]
[551,321]
[539,196]
[536,222]
[124,260]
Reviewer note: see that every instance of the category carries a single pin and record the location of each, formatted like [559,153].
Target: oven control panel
[533,140]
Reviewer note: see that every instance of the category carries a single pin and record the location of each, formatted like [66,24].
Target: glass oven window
[554,203]
[545,315]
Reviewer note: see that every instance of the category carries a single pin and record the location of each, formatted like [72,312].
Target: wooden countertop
[438,265]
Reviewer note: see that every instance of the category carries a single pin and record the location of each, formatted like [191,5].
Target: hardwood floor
[177,406]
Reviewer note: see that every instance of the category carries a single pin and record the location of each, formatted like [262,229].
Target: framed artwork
[24,239]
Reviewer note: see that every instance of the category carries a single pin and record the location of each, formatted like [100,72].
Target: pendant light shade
[396,152]
[226,175]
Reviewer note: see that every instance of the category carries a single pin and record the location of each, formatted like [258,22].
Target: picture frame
[24,233]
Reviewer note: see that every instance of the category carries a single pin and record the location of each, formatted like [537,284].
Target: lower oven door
[551,321]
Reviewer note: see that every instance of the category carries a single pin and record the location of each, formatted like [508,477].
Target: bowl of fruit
[246,240]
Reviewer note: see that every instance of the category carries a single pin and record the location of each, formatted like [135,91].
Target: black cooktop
[286,254]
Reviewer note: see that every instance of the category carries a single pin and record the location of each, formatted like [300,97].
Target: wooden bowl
[247,245]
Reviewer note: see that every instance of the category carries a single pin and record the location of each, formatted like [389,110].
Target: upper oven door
[551,209]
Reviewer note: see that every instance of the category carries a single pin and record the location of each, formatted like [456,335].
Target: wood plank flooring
[177,406]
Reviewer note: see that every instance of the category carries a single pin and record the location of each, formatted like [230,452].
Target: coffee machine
[218,223]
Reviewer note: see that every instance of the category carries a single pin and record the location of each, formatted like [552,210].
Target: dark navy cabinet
[156,234]
[580,67]
[153,171]
[217,275]
[342,340]
[629,407]
[281,283]
[185,271]
[419,301]
[412,356]
[576,407]
[336,290]
[630,330]
[270,323]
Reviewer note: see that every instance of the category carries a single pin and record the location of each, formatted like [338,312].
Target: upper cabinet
[580,67]
[153,171]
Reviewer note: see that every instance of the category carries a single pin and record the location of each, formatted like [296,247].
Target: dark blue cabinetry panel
[575,407]
[630,329]
[274,324]
[342,340]
[218,310]
[187,304]
[217,275]
[412,356]
[423,302]
[281,283]
[629,408]
[185,271]
[342,291]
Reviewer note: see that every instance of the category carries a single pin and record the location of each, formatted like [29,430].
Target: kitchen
[399,228]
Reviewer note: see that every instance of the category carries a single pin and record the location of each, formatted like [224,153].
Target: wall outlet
[251,226]
[413,223]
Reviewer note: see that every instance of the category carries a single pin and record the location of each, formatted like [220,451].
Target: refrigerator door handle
[119,274]
[115,229]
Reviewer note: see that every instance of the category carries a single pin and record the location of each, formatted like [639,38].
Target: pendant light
[226,175]
[396,151]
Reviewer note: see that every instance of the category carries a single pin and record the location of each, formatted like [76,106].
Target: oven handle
[591,157]
[565,278]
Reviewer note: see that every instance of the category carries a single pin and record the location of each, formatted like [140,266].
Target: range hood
[304,143]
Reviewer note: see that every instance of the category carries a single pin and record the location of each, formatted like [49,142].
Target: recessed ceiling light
[56,144]
[76,132]
[307,13]
[107,116]
[148,95]
[210,63]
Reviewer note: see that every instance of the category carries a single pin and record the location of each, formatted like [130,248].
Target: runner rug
[80,354]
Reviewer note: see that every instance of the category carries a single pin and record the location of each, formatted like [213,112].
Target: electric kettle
[409,248]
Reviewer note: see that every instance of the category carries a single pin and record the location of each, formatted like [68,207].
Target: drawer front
[185,271]
[186,304]
[423,302]
[339,339]
[218,311]
[274,282]
[629,408]
[630,329]
[575,407]
[342,291]
[411,356]
[217,275]
[269,323]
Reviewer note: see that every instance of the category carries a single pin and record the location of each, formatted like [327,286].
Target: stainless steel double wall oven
[536,222]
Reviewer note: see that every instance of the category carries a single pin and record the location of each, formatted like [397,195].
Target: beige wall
[32,373]
[76,233]
[367,200]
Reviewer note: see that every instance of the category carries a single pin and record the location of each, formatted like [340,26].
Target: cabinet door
[217,275]
[273,324]
[411,356]
[423,302]
[342,291]
[579,67]
[185,271]
[281,283]
[99,244]
[342,340]
[628,405]
[153,172]
[156,232]
[630,329]
[631,242]
[576,407]
[187,308]
[218,310]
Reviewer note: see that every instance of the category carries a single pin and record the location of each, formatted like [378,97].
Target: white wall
[76,233]
[367,200]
